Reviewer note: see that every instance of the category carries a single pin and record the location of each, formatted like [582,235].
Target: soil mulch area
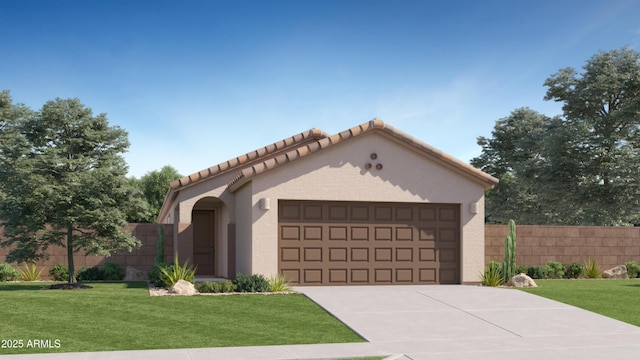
[67,286]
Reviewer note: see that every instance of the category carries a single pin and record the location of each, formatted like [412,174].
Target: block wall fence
[140,260]
[537,244]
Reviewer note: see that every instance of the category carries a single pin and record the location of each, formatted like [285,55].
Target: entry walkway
[433,322]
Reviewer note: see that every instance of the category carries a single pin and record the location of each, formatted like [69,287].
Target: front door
[204,241]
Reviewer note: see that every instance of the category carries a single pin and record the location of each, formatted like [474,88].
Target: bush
[59,272]
[573,270]
[90,273]
[156,272]
[591,269]
[537,272]
[633,269]
[30,272]
[173,273]
[251,283]
[8,273]
[279,284]
[113,271]
[521,269]
[492,275]
[555,270]
[225,286]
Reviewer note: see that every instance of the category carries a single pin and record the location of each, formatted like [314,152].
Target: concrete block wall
[141,259]
[537,244]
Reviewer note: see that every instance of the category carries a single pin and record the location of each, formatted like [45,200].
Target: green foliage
[92,273]
[153,186]
[170,275]
[536,272]
[113,271]
[492,275]
[159,246]
[251,283]
[592,270]
[64,183]
[633,269]
[59,272]
[574,270]
[279,284]
[224,286]
[156,272]
[575,169]
[8,273]
[509,263]
[30,272]
[555,270]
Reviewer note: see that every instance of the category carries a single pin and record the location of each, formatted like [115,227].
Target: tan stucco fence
[536,244]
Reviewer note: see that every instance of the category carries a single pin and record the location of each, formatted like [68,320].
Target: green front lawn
[617,299]
[122,316]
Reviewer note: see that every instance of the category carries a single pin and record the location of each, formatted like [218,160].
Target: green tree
[581,168]
[64,183]
[154,186]
[601,109]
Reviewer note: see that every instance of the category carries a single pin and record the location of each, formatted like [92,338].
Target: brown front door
[204,241]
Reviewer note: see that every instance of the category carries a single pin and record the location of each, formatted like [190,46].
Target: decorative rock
[522,280]
[133,274]
[618,272]
[183,287]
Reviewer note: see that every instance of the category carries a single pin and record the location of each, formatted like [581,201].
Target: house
[370,205]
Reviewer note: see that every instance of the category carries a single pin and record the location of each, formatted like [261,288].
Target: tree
[64,183]
[581,168]
[153,186]
[602,111]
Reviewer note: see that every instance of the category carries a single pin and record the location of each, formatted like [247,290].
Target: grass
[616,299]
[122,316]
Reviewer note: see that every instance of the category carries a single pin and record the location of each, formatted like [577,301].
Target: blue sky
[198,82]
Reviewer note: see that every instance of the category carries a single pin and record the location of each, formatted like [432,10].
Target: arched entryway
[204,217]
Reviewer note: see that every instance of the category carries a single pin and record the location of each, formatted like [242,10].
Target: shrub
[492,275]
[555,270]
[251,283]
[156,271]
[113,271]
[537,272]
[279,284]
[30,272]
[633,269]
[225,286]
[573,270]
[90,273]
[591,269]
[8,273]
[521,269]
[59,272]
[170,275]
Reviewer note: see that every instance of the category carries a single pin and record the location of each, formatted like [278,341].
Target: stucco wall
[338,173]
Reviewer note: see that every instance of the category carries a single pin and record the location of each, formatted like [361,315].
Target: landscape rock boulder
[183,287]
[618,272]
[522,280]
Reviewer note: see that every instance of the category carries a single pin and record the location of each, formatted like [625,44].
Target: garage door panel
[313,233]
[359,233]
[360,254]
[338,254]
[341,243]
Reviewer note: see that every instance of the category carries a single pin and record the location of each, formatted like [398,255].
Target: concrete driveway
[473,322]
[431,322]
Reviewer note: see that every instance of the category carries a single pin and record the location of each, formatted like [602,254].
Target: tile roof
[309,142]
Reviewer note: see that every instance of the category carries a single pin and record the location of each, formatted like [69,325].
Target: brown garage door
[350,243]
